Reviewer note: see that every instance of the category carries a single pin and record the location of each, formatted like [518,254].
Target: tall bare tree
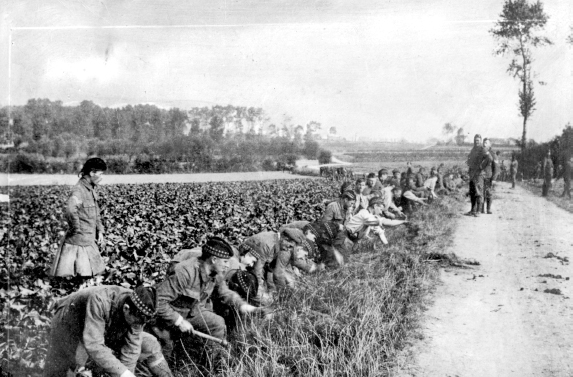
[517,33]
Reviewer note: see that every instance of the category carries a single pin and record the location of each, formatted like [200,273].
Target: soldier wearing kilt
[78,254]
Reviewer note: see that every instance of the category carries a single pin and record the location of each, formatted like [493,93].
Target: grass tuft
[353,320]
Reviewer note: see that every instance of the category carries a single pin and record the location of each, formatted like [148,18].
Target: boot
[479,202]
[489,206]
[473,202]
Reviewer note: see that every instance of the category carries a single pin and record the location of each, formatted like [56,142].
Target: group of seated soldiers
[115,330]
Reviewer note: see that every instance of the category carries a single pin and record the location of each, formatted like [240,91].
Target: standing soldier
[78,254]
[104,325]
[491,171]
[476,174]
[567,177]
[537,173]
[513,170]
[547,174]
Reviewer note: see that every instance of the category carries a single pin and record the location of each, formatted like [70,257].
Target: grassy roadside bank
[351,321]
[554,194]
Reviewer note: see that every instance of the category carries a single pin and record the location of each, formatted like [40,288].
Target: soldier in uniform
[103,325]
[490,167]
[382,181]
[78,254]
[184,297]
[537,173]
[271,256]
[567,171]
[421,177]
[370,183]
[340,210]
[474,162]
[361,199]
[395,181]
[547,174]
[513,170]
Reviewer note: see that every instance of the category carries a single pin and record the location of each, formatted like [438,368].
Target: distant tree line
[50,137]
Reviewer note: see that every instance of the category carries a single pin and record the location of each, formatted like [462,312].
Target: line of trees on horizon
[137,138]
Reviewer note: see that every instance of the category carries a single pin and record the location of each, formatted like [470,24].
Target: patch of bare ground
[512,314]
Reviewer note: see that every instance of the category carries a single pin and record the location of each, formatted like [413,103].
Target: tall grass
[353,320]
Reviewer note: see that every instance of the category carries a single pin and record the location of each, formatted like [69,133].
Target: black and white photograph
[286,188]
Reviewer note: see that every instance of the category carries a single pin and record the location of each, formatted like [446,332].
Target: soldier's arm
[132,349]
[227,295]
[97,310]
[99,224]
[74,201]
[305,265]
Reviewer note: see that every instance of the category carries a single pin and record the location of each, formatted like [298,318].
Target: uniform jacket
[82,215]
[489,165]
[440,181]
[187,288]
[568,169]
[548,168]
[513,167]
[420,179]
[94,317]
[335,212]
[474,161]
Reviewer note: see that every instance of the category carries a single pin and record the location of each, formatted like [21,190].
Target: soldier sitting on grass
[370,220]
[414,195]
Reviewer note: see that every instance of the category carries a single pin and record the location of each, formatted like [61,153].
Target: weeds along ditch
[337,322]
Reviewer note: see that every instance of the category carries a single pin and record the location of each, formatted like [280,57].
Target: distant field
[373,167]
[347,146]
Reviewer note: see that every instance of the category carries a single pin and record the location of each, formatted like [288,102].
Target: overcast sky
[383,69]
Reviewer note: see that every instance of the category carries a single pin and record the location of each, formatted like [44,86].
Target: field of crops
[341,322]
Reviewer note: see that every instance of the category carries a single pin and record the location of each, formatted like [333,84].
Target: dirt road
[500,319]
[70,179]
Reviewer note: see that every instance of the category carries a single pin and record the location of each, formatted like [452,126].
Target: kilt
[75,260]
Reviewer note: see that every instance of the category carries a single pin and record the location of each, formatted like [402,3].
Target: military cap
[252,246]
[345,186]
[93,164]
[310,247]
[144,299]
[349,194]
[218,247]
[244,283]
[395,171]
